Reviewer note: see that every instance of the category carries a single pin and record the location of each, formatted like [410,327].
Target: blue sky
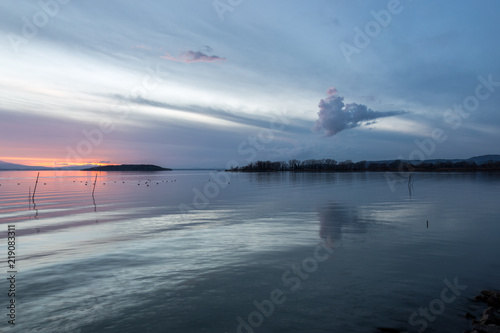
[210,83]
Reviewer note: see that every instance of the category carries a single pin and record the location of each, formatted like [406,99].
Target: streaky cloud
[294,125]
[193,56]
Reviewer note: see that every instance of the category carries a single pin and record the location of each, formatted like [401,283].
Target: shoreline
[399,166]
[489,322]
[359,171]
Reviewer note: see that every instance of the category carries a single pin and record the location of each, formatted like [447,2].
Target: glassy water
[207,251]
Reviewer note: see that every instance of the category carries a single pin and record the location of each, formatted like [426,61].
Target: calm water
[130,260]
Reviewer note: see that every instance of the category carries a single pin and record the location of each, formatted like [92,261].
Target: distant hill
[13,166]
[5,166]
[484,158]
[128,167]
[476,159]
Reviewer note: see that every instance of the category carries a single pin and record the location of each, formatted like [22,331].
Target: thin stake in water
[93,199]
[33,198]
[95,182]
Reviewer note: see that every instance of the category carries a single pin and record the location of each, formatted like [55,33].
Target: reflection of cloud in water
[336,218]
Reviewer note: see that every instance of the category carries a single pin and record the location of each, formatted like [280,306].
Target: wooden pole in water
[95,182]
[33,198]
[29,197]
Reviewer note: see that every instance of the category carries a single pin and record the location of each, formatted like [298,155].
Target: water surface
[193,251]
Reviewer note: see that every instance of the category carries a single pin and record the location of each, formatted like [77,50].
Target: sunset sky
[198,83]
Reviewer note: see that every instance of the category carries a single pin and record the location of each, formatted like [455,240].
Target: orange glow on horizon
[47,162]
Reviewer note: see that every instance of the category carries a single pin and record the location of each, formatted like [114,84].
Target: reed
[36,183]
[95,182]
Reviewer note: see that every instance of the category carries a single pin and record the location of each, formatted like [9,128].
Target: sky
[195,83]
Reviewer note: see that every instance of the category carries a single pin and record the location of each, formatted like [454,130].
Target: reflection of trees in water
[335,219]
[307,178]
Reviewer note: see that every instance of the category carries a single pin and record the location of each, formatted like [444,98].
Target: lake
[208,251]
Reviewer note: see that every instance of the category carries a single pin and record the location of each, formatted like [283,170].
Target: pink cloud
[193,56]
[331,91]
[169,57]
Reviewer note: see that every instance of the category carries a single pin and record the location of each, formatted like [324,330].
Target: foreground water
[206,251]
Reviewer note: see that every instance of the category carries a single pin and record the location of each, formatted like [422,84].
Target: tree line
[349,166]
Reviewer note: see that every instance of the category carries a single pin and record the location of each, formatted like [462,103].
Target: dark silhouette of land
[128,167]
[473,164]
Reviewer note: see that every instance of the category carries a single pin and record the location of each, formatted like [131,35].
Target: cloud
[335,116]
[141,47]
[193,56]
[292,125]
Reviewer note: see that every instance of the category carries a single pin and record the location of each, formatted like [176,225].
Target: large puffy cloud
[334,116]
